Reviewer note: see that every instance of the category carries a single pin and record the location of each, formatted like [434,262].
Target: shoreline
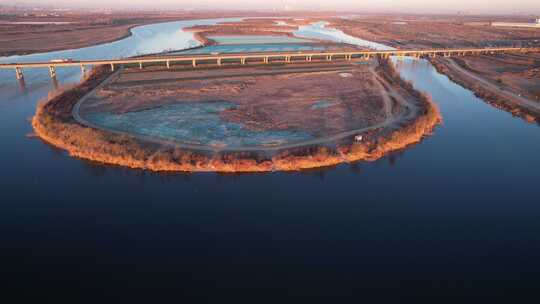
[55,124]
[259,27]
[127,33]
[489,96]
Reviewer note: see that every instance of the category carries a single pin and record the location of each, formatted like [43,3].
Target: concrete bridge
[245,58]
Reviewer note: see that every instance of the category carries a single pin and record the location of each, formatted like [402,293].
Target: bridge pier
[52,71]
[363,55]
[19,73]
[56,85]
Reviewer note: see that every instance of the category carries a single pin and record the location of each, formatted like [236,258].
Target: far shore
[75,32]
[27,38]
[493,80]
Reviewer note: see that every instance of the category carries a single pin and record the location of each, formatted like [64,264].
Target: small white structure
[62,60]
[516,24]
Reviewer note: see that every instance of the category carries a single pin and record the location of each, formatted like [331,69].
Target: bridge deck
[246,56]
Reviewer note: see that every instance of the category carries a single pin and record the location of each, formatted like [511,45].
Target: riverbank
[55,124]
[415,32]
[498,81]
[23,36]
[285,27]
[61,39]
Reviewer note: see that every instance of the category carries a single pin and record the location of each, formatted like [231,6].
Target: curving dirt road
[519,100]
[392,120]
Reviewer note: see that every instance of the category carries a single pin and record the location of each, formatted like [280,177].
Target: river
[458,209]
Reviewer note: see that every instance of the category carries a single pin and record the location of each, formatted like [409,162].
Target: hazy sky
[421,6]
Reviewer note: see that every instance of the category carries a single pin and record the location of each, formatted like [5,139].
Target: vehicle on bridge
[62,60]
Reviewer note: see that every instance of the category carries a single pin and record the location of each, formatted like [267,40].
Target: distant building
[536,24]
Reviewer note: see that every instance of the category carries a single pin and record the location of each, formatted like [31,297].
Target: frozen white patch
[318,30]
[345,75]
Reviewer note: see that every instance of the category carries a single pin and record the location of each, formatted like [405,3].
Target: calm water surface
[255,39]
[254,48]
[458,211]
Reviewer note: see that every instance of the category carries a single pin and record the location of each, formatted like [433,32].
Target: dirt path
[520,100]
[391,121]
[388,91]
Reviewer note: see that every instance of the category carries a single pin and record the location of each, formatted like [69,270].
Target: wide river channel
[459,209]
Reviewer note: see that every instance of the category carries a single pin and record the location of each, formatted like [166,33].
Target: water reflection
[56,86]
[103,171]
[393,157]
[22,86]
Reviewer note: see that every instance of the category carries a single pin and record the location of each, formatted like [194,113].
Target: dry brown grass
[54,124]
[433,32]
[87,29]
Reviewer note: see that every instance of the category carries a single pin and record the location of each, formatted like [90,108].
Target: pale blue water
[319,30]
[256,39]
[323,104]
[193,123]
[253,48]
[147,39]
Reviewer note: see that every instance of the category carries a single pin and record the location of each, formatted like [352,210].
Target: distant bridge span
[243,58]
